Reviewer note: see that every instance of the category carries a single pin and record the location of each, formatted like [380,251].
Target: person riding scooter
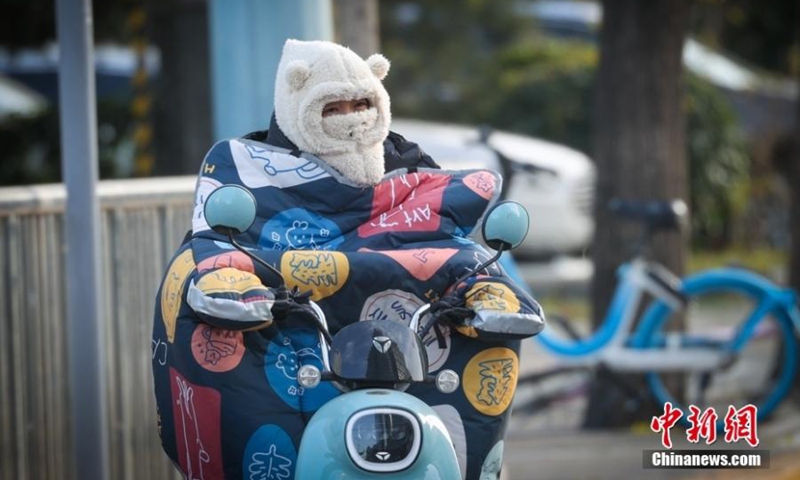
[360,221]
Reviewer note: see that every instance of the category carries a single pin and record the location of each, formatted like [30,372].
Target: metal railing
[143,222]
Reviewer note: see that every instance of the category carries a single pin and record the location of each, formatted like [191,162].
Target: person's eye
[330,110]
[363,104]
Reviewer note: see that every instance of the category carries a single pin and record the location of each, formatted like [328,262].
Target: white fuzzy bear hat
[313,74]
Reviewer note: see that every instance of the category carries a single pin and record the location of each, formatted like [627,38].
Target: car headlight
[383,439]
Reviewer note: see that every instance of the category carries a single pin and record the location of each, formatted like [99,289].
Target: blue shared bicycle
[720,337]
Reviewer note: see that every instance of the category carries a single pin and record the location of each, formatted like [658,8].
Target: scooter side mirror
[230,209]
[505,226]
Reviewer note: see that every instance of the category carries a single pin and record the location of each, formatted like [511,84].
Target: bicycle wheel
[763,363]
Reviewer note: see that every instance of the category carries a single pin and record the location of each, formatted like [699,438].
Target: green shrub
[30,147]
[543,87]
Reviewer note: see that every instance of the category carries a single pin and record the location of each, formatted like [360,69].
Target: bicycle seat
[656,215]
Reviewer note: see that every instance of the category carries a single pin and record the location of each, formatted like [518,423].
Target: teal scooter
[373,430]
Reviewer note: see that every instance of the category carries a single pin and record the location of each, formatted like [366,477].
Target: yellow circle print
[492,296]
[322,273]
[172,290]
[490,380]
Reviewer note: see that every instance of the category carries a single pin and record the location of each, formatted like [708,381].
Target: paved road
[549,445]
[614,455]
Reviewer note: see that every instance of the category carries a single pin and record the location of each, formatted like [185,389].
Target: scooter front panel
[323,450]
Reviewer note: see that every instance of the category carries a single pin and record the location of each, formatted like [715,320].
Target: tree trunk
[356,25]
[794,176]
[639,148]
[182,99]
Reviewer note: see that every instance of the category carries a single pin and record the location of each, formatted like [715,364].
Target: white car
[554,182]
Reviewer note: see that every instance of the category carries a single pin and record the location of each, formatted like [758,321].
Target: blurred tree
[794,219]
[27,23]
[541,87]
[757,31]
[441,50]
[544,87]
[30,147]
[356,26]
[32,23]
[182,92]
[794,175]
[181,103]
[719,165]
[639,147]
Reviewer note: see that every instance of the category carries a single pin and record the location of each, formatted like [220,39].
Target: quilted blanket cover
[228,400]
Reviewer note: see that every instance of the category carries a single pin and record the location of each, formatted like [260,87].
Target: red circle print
[483,183]
[216,349]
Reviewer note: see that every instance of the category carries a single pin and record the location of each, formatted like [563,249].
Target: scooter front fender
[323,452]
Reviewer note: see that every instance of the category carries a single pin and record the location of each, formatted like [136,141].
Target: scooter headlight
[383,439]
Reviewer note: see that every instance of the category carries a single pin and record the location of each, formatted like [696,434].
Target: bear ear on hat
[379,65]
[297,73]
